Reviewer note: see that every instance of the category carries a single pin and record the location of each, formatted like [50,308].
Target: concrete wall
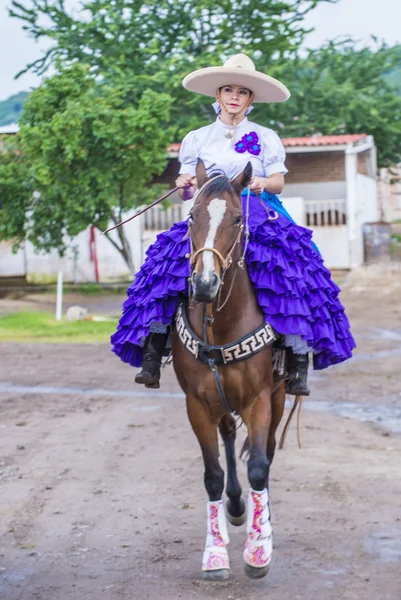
[296,208]
[331,241]
[362,206]
[366,211]
[11,265]
[76,264]
[333,244]
[315,191]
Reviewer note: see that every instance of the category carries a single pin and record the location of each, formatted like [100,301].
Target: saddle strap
[219,386]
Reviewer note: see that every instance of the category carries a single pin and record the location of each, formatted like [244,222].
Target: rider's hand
[188,184]
[185,180]
[258,185]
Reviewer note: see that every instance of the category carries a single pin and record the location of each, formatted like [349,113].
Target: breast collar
[250,344]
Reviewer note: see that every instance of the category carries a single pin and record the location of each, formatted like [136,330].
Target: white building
[334,181]
[331,188]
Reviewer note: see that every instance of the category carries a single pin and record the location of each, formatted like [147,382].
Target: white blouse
[218,153]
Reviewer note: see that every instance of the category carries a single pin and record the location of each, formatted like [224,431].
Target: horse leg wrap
[215,556]
[259,544]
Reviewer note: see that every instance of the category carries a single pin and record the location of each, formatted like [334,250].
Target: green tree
[338,89]
[154,43]
[90,153]
[16,189]
[137,35]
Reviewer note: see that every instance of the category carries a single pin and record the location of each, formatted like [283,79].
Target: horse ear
[243,179]
[201,174]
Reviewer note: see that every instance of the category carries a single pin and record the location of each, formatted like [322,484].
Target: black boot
[153,352]
[297,382]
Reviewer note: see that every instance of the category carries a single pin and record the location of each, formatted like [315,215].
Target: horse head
[216,224]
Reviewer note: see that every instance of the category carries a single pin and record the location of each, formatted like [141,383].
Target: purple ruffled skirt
[293,287]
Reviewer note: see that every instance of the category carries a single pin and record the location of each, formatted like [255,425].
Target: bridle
[225,262]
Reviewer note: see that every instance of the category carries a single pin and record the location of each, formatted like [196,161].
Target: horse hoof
[256,572]
[236,520]
[217,575]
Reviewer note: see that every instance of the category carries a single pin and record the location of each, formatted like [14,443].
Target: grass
[43,328]
[89,289]
[95,289]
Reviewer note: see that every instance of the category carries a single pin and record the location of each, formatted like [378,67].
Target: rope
[297,402]
[247,233]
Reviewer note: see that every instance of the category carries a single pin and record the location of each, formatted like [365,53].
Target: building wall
[11,265]
[314,191]
[76,264]
[366,212]
[312,167]
[365,165]
[303,167]
[389,188]
[333,244]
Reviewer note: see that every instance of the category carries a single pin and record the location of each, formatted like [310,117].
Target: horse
[222,357]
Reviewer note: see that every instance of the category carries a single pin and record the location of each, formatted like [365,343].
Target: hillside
[10,109]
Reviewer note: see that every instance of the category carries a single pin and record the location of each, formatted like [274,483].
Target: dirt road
[101,490]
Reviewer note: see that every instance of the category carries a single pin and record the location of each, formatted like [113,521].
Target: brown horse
[225,310]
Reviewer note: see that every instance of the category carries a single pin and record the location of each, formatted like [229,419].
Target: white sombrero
[237,70]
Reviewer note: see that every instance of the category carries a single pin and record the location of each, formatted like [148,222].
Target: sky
[348,17]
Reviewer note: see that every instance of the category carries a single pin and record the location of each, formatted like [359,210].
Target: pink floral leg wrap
[259,545]
[215,556]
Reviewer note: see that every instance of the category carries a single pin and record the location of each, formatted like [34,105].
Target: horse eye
[238,221]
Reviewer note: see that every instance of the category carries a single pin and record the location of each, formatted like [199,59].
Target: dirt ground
[102,492]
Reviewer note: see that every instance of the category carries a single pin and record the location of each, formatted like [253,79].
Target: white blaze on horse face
[216,210]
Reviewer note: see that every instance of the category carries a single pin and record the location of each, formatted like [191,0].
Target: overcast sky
[348,17]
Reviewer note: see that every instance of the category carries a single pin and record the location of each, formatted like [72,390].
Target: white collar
[244,123]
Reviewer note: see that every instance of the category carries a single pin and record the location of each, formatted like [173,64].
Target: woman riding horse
[293,288]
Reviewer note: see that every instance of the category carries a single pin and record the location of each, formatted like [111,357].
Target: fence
[161,219]
[325,213]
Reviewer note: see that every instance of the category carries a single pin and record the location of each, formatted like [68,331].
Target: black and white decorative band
[241,349]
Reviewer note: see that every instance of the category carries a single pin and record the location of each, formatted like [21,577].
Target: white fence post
[59,301]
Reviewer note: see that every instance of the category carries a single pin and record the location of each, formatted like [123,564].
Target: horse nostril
[215,279]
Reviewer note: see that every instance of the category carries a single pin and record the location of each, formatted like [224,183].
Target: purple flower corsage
[248,142]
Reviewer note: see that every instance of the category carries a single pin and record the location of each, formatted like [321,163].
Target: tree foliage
[90,151]
[138,36]
[340,89]
[16,189]
[154,43]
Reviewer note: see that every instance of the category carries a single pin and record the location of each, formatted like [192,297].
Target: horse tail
[244,454]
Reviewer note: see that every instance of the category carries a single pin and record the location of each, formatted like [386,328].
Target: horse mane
[219,184]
